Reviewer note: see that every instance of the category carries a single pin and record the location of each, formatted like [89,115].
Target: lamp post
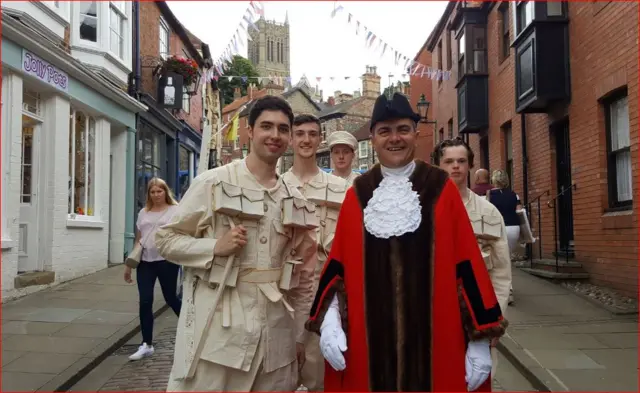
[245,151]
[423,111]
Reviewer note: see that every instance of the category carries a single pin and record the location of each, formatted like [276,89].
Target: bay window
[89,21]
[472,50]
[524,15]
[82,164]
[619,162]
[117,17]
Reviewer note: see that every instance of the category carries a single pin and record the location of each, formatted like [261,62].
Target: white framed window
[31,102]
[363,149]
[117,26]
[619,163]
[82,165]
[364,167]
[186,100]
[236,143]
[88,21]
[164,39]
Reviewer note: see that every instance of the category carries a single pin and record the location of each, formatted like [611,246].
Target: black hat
[397,108]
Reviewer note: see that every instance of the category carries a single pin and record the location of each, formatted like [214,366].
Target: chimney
[331,101]
[371,83]
[237,93]
[337,93]
[356,94]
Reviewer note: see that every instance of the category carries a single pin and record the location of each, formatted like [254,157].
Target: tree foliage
[239,67]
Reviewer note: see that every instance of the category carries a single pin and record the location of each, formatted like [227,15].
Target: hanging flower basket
[188,68]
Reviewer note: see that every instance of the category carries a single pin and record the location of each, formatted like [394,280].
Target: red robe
[409,304]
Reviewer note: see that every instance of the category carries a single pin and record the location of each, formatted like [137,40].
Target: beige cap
[342,138]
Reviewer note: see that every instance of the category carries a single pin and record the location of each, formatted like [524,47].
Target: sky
[322,46]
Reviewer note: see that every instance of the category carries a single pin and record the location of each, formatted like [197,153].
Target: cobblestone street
[117,373]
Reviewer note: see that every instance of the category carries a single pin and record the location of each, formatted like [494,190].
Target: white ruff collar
[394,209]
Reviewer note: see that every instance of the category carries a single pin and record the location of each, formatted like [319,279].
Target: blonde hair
[168,194]
[500,179]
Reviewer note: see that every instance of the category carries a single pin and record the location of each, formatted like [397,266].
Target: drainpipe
[525,160]
[130,188]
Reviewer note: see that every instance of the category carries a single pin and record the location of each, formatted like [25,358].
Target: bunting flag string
[413,67]
[278,80]
[220,65]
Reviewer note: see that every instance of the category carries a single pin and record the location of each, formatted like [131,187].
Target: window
[524,15]
[479,49]
[441,135]
[184,176]
[363,149]
[450,129]
[363,167]
[461,51]
[484,151]
[619,152]
[449,50]
[555,8]
[116,28]
[440,59]
[89,21]
[506,130]
[186,100]
[525,70]
[164,39]
[504,38]
[82,164]
[151,155]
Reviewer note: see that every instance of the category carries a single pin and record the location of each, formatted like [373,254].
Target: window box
[541,45]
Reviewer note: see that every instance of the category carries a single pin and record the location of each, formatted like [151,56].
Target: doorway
[563,186]
[28,260]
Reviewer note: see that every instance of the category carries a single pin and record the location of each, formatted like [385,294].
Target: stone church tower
[269,49]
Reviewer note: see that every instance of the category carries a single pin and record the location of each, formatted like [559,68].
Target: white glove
[477,363]
[332,338]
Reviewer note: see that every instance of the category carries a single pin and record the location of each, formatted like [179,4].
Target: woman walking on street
[508,203]
[159,210]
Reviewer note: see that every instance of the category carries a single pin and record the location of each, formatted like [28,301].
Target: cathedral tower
[269,49]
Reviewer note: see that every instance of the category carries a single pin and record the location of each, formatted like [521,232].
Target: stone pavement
[566,343]
[51,338]
[117,373]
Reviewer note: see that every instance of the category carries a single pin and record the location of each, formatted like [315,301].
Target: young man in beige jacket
[231,234]
[327,192]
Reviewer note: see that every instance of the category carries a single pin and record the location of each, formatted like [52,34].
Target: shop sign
[35,66]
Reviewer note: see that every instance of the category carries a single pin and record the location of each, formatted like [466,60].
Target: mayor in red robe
[409,305]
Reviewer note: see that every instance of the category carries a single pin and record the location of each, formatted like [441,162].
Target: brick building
[548,91]
[422,85]
[168,140]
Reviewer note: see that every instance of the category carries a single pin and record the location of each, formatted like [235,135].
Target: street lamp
[245,151]
[423,110]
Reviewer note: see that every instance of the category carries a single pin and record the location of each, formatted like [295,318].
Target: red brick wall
[604,56]
[149,46]
[422,85]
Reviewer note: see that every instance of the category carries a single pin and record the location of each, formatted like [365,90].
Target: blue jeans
[147,273]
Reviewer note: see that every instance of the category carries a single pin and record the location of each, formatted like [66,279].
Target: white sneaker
[143,351]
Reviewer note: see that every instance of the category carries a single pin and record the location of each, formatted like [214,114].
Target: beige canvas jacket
[253,308]
[488,226]
[328,216]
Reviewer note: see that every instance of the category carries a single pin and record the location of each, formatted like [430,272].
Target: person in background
[456,157]
[343,147]
[307,177]
[507,202]
[159,210]
[482,184]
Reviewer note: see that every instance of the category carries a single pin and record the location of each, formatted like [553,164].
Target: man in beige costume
[456,157]
[327,192]
[343,147]
[241,228]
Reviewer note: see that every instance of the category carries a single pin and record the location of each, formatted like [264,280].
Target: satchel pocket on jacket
[252,204]
[293,212]
[476,223]
[335,195]
[280,236]
[492,227]
[227,199]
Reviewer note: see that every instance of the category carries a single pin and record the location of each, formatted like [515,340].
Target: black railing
[556,222]
[535,201]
